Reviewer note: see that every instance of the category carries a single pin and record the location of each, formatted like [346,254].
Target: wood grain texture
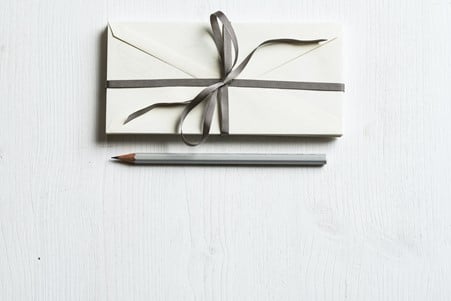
[374,224]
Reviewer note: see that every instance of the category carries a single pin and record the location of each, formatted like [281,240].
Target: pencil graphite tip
[125,158]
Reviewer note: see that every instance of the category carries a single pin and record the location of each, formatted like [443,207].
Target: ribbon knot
[217,93]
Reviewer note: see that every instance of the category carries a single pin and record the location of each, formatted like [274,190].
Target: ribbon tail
[207,117]
[143,111]
[235,72]
[205,94]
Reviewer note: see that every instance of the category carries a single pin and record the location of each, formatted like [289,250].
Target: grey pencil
[223,159]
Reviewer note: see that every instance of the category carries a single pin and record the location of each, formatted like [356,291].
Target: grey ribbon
[216,90]
[244,83]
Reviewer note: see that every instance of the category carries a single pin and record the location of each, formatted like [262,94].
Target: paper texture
[186,50]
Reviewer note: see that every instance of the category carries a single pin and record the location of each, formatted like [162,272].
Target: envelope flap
[189,47]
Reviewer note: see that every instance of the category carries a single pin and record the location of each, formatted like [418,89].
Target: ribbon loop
[227,45]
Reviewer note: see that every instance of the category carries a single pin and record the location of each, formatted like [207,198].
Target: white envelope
[187,50]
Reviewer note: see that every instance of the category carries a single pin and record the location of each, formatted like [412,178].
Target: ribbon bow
[227,45]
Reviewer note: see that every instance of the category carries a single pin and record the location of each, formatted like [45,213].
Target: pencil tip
[125,158]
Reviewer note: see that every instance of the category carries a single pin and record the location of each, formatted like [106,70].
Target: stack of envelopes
[187,50]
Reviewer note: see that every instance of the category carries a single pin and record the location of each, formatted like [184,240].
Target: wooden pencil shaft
[231,159]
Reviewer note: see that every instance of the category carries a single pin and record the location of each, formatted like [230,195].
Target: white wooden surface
[374,224]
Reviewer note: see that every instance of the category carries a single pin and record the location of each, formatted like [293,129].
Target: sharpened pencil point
[125,158]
